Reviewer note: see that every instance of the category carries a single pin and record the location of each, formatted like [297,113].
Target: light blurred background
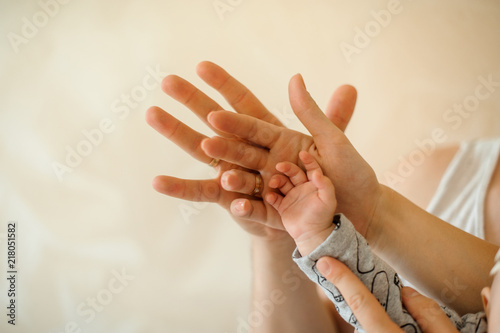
[186,268]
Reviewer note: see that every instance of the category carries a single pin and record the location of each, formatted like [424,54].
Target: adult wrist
[377,222]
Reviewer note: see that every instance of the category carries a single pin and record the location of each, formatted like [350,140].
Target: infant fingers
[292,171]
[274,199]
[281,182]
[310,164]
[256,211]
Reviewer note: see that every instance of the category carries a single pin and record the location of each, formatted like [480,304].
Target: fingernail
[223,181]
[323,267]
[239,207]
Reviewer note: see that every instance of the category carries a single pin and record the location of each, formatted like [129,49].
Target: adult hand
[339,110]
[368,311]
[356,186]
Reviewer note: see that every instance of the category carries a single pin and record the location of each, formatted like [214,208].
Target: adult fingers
[256,211]
[274,199]
[236,151]
[237,180]
[193,190]
[293,172]
[282,182]
[341,106]
[235,93]
[243,209]
[306,109]
[367,310]
[245,127]
[191,97]
[177,132]
[428,314]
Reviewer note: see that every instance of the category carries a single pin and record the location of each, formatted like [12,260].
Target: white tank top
[459,198]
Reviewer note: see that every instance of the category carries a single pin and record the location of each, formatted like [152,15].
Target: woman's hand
[368,311]
[260,146]
[339,109]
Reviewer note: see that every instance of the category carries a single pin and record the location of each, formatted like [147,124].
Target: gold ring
[258,185]
[214,162]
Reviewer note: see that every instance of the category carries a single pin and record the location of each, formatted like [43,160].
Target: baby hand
[308,203]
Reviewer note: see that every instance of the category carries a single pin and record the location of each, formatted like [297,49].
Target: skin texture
[491,298]
[370,313]
[227,189]
[422,183]
[356,185]
[272,265]
[426,311]
[372,207]
[306,202]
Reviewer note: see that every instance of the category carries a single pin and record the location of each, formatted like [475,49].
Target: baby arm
[307,211]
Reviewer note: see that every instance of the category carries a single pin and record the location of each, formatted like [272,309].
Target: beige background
[190,263]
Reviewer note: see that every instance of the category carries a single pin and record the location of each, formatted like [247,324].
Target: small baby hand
[307,204]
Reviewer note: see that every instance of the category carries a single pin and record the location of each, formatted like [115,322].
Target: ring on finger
[259,185]
[214,162]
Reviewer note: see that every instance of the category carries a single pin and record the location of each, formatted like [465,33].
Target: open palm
[256,219]
[261,145]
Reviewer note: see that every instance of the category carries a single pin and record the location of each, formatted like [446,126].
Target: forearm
[445,262]
[282,295]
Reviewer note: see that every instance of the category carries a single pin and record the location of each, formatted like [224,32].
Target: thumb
[306,109]
[428,314]
[341,106]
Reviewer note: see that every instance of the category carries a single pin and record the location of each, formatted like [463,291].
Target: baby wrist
[308,241]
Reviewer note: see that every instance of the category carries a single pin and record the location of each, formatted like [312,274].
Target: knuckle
[433,309]
[357,302]
[241,151]
[265,136]
[423,322]
[211,192]
[253,132]
[248,154]
[427,309]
